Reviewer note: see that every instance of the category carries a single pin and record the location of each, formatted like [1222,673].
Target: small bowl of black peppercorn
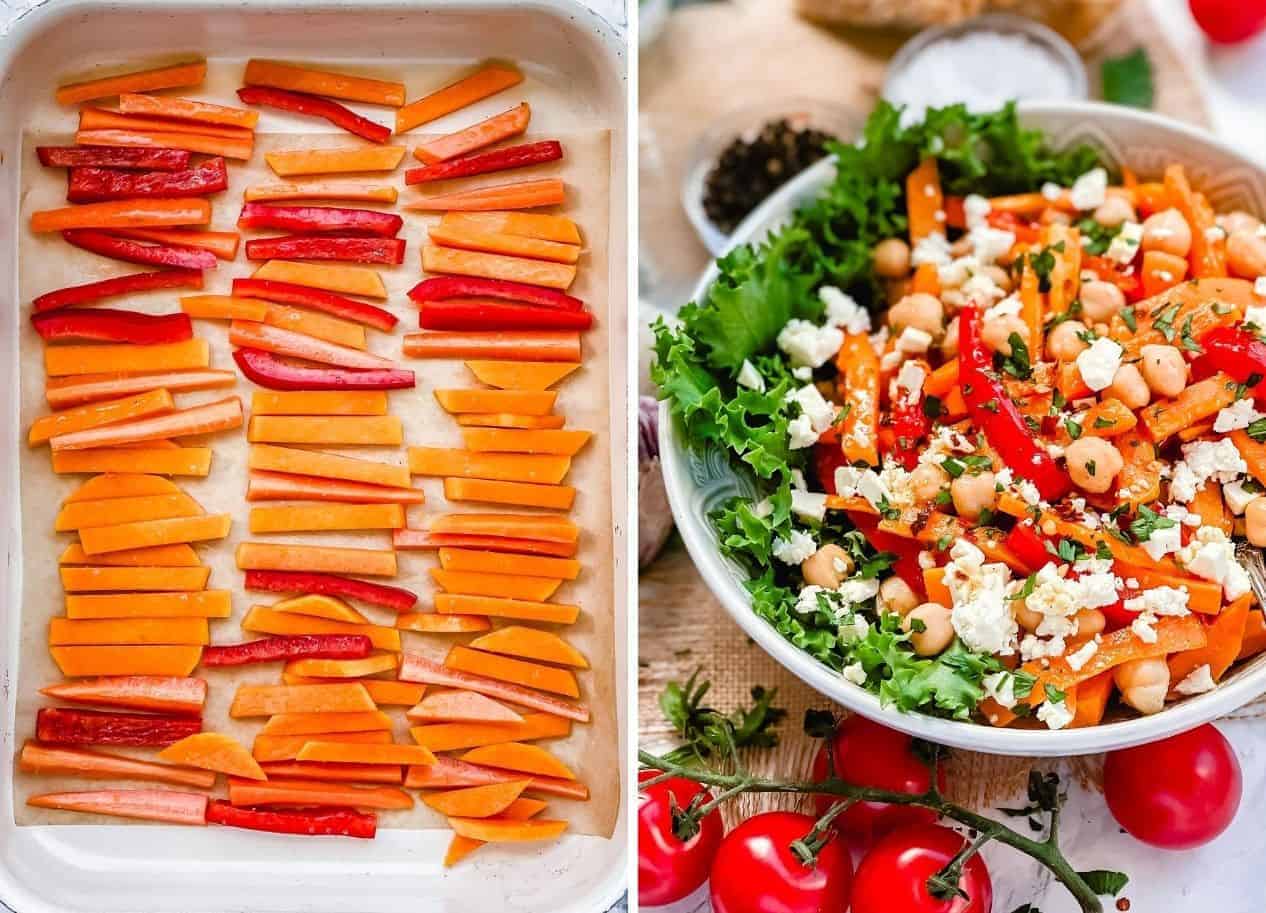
[749,153]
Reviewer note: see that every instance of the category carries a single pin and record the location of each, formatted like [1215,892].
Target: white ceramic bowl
[699,482]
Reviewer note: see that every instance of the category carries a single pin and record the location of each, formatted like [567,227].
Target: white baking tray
[186,870]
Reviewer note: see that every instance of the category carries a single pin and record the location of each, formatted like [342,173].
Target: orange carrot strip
[926,279]
[457,736]
[516,494]
[180,555]
[300,345]
[322,326]
[1161,271]
[487,81]
[319,402]
[517,671]
[1209,507]
[523,758]
[277,486]
[262,556]
[186,109]
[134,579]
[859,372]
[264,620]
[1204,300]
[1254,635]
[425,540]
[353,773]
[548,527]
[416,668]
[505,586]
[213,751]
[515,440]
[314,792]
[1092,700]
[161,139]
[336,430]
[1199,401]
[1173,635]
[506,467]
[435,623]
[1208,250]
[314,723]
[1253,454]
[64,392]
[184,461]
[124,214]
[496,830]
[149,533]
[167,806]
[535,345]
[268,748]
[1032,310]
[364,193]
[203,604]
[328,466]
[320,517]
[81,418]
[223,244]
[510,420]
[924,200]
[139,631]
[322,82]
[515,195]
[351,753]
[540,226]
[77,661]
[224,307]
[99,765]
[100,119]
[487,562]
[496,266]
[385,692]
[531,643]
[471,139]
[63,361]
[222,415]
[348,280]
[1225,638]
[342,160]
[456,706]
[1109,418]
[172,77]
[519,810]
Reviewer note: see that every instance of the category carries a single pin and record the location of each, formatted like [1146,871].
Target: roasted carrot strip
[337,430]
[471,139]
[924,200]
[351,773]
[163,805]
[269,748]
[1253,454]
[148,533]
[82,418]
[300,345]
[224,307]
[185,74]
[124,214]
[327,465]
[859,385]
[223,244]
[548,527]
[517,671]
[1174,635]
[203,604]
[342,160]
[456,706]
[313,723]
[481,84]
[186,109]
[496,266]
[517,195]
[425,540]
[100,765]
[1199,401]
[487,562]
[64,392]
[541,226]
[506,586]
[157,139]
[509,245]
[324,83]
[352,753]
[278,486]
[1225,638]
[222,415]
[327,669]
[260,556]
[515,440]
[1208,248]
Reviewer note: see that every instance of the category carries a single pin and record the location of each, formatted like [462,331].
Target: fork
[1251,559]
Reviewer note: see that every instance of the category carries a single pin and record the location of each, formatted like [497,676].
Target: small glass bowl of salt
[984,62]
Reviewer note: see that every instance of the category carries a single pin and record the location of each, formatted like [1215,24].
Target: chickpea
[919,310]
[1167,231]
[1246,254]
[974,494]
[1000,277]
[1052,216]
[1113,211]
[949,345]
[1027,618]
[1101,301]
[1129,386]
[1164,369]
[827,567]
[1143,683]
[892,258]
[895,595]
[1093,464]
[1239,220]
[1064,344]
[937,633]
[1255,522]
[996,334]
[1089,623]
[926,481]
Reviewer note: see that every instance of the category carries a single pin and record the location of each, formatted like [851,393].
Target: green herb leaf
[1147,522]
[1105,882]
[1127,80]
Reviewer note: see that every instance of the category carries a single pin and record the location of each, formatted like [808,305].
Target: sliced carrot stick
[1225,638]
[167,806]
[322,326]
[510,420]
[517,195]
[328,466]
[184,461]
[1208,249]
[523,402]
[519,494]
[86,514]
[312,723]
[134,579]
[458,736]
[343,668]
[462,707]
[81,418]
[100,119]
[260,556]
[529,759]
[448,772]
[321,190]
[203,604]
[435,623]
[393,693]
[124,214]
[318,606]
[473,138]
[549,527]
[518,345]
[180,555]
[186,109]
[349,280]
[342,160]
[1197,402]
[172,77]
[509,245]
[78,661]
[268,748]
[140,631]
[507,586]
[161,694]
[531,643]
[224,307]
[299,345]
[1210,508]
[147,533]
[350,753]
[554,613]
[559,229]
[277,486]
[1253,453]
[324,83]
[350,773]
[515,440]
[213,751]
[519,810]
[495,266]
[327,430]
[477,801]
[507,467]
[61,361]
[223,244]
[319,402]
[312,517]
[425,540]
[100,765]
[1173,635]
[160,139]
[924,200]
[459,559]
[487,81]
[1254,635]
[517,671]
[160,444]
[63,392]
[416,668]
[496,830]
[314,792]
[222,415]
[264,620]
[265,700]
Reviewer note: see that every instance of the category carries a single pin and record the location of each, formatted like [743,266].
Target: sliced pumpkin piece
[531,643]
[213,751]
[528,759]
[477,801]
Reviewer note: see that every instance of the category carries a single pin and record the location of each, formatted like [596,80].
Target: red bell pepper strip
[482,314]
[274,373]
[308,247]
[120,285]
[1131,285]
[1237,352]
[315,219]
[1025,232]
[315,299]
[389,597]
[90,185]
[993,411]
[107,245]
[444,287]
[907,550]
[132,158]
[330,822]
[1027,544]
[305,646]
[61,726]
[909,426]
[300,103]
[106,325]
[486,162]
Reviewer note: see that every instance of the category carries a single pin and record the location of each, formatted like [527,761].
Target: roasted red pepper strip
[994,412]
[105,325]
[308,247]
[389,597]
[120,285]
[1025,232]
[907,550]
[90,185]
[315,299]
[134,252]
[274,373]
[482,314]
[1237,352]
[337,822]
[486,162]
[909,425]
[1028,545]
[1130,285]
[443,287]
[60,726]
[299,103]
[315,219]
[136,159]
[305,646]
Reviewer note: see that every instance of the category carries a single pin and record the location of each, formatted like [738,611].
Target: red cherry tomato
[756,872]
[1229,21]
[892,877]
[867,754]
[667,869]
[1177,793]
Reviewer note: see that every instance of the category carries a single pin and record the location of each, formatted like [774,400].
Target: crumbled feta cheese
[914,341]
[1163,542]
[1240,414]
[810,505]
[981,615]
[796,549]
[820,412]
[809,344]
[1202,461]
[1055,715]
[1159,600]
[1211,555]
[981,289]
[749,377]
[1256,313]
[927,560]
[763,508]
[990,243]
[1007,307]
[1259,288]
[891,360]
[847,478]
[1144,628]
[1028,493]
[1098,364]
[1001,687]
[854,673]
[1237,497]
[1004,477]
[932,248]
[857,590]
[1125,244]
[804,372]
[843,311]
[958,271]
[797,480]
[1051,191]
[910,379]
[800,433]
[872,488]
[1090,190]
[1082,655]
[1198,681]
[976,209]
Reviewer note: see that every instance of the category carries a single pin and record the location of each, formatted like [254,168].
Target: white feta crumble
[810,505]
[981,289]
[1259,289]
[798,481]
[796,549]
[1240,414]
[976,209]
[914,341]
[1082,655]
[981,615]
[1056,715]
[1159,600]
[1125,244]
[749,377]
[958,271]
[857,590]
[1237,497]
[1001,687]
[990,243]
[1143,628]
[1028,493]
[804,372]
[807,601]
[1163,542]
[1052,191]
[809,344]
[1202,461]
[932,248]
[1007,307]
[1090,190]
[854,673]
[871,487]
[1198,681]
[1256,313]
[1098,364]
[843,311]
[910,379]
[1211,555]
[763,508]
[847,478]
[800,433]
[820,412]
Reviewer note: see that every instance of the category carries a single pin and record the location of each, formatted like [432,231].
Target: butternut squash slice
[531,643]
[506,586]
[529,759]
[319,402]
[329,430]
[213,751]
[312,517]
[344,668]
[266,700]
[268,748]
[457,706]
[111,512]
[328,466]
[130,660]
[516,671]
[477,801]
[81,418]
[122,485]
[522,402]
[463,559]
[457,736]
[183,461]
[435,623]
[522,609]
[312,723]
[319,606]
[497,830]
[322,559]
[204,604]
[515,494]
[148,533]
[179,555]
[351,753]
[127,631]
[520,375]
[505,467]
[263,620]
[513,440]
[82,579]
